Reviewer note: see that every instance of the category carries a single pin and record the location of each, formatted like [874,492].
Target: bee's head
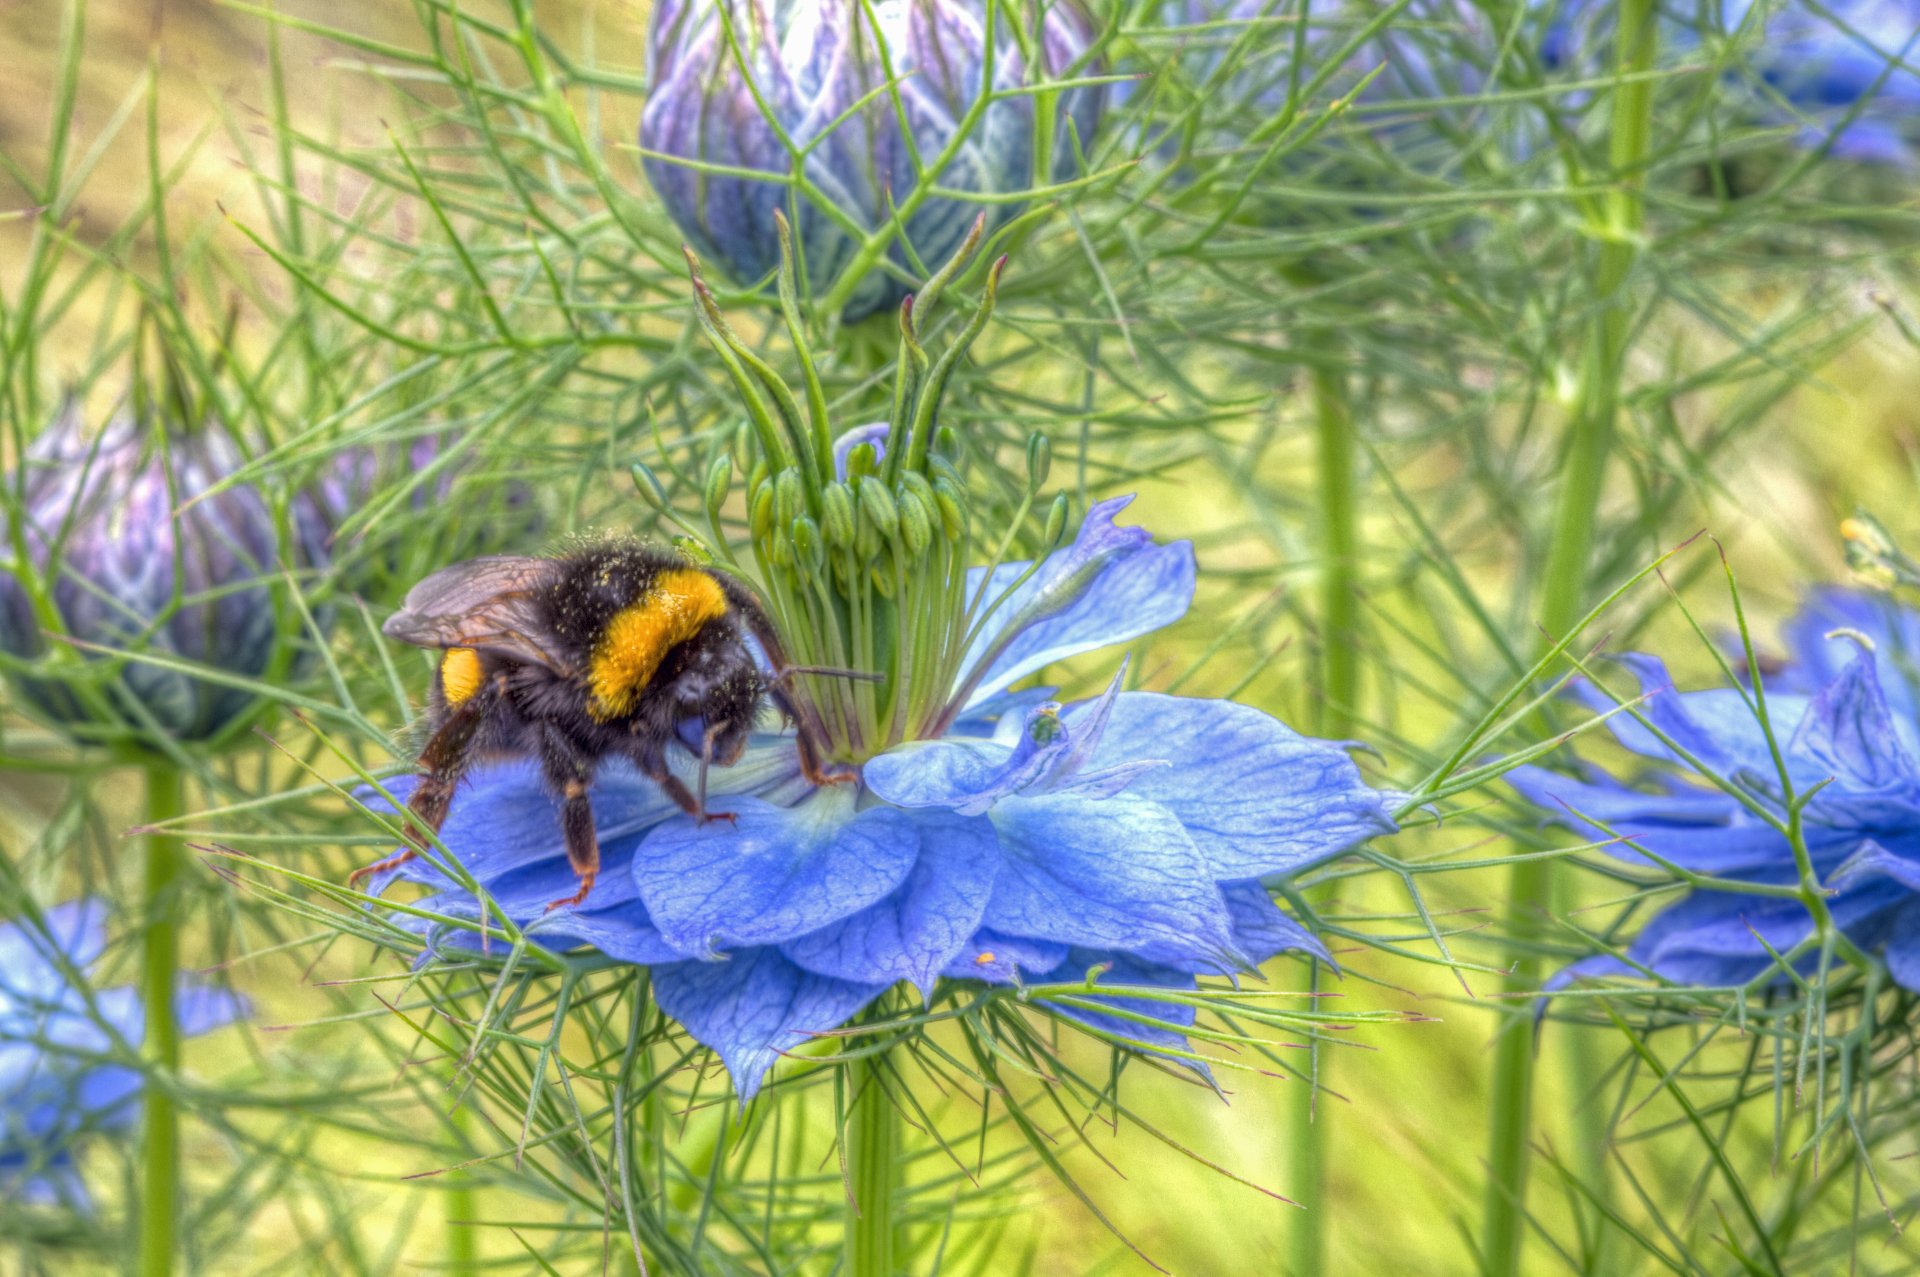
[722,709]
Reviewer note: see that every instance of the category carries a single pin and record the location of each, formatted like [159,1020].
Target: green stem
[160,1180]
[463,1235]
[1339,691]
[873,1163]
[1531,889]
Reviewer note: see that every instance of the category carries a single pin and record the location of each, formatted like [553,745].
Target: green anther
[807,548]
[1039,461]
[918,485]
[757,476]
[877,504]
[836,515]
[916,522]
[647,484]
[863,460]
[789,496]
[946,443]
[760,518]
[881,575]
[951,501]
[1056,522]
[939,467]
[719,484]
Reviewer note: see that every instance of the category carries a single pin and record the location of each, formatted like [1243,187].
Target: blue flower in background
[1031,841]
[813,75]
[1819,64]
[57,1043]
[1846,713]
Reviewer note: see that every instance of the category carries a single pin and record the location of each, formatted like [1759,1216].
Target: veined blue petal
[923,924]
[1716,726]
[999,959]
[624,932]
[773,874]
[1262,929]
[1112,584]
[1119,875]
[1848,731]
[1256,797]
[754,1006]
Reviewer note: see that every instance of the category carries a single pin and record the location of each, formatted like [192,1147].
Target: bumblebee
[608,649]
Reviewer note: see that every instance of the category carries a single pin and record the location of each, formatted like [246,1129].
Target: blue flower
[1848,721]
[814,76]
[1821,65]
[58,1078]
[1030,841]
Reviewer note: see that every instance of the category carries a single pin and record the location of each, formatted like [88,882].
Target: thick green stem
[873,1165]
[463,1233]
[1339,691]
[1620,220]
[160,1177]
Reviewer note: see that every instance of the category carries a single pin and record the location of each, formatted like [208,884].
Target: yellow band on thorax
[640,635]
[459,674]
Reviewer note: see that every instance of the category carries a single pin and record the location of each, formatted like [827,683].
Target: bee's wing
[484,603]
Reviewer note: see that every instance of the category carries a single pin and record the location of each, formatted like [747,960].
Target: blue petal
[922,925]
[776,874]
[78,928]
[1703,830]
[1256,797]
[999,959]
[1112,584]
[1171,1019]
[1262,929]
[755,1006]
[202,1008]
[624,932]
[1848,731]
[1118,875]
[1717,726]
[1903,946]
[874,432]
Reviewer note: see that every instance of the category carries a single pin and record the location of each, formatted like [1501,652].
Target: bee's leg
[695,805]
[442,763]
[572,776]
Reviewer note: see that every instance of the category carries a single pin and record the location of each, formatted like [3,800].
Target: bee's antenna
[831,671]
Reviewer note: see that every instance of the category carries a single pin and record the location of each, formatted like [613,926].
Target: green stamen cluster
[866,572]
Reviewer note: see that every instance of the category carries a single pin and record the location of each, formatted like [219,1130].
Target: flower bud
[809,62]
[125,557]
[836,512]
[864,459]
[877,504]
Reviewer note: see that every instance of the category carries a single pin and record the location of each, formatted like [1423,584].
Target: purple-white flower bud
[110,553]
[816,71]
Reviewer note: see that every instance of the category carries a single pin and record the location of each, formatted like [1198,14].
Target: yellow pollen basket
[460,674]
[681,602]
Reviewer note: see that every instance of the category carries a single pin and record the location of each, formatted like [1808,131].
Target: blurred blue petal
[753,1006]
[775,873]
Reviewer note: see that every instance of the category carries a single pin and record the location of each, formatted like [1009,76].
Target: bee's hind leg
[572,776]
[442,763]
